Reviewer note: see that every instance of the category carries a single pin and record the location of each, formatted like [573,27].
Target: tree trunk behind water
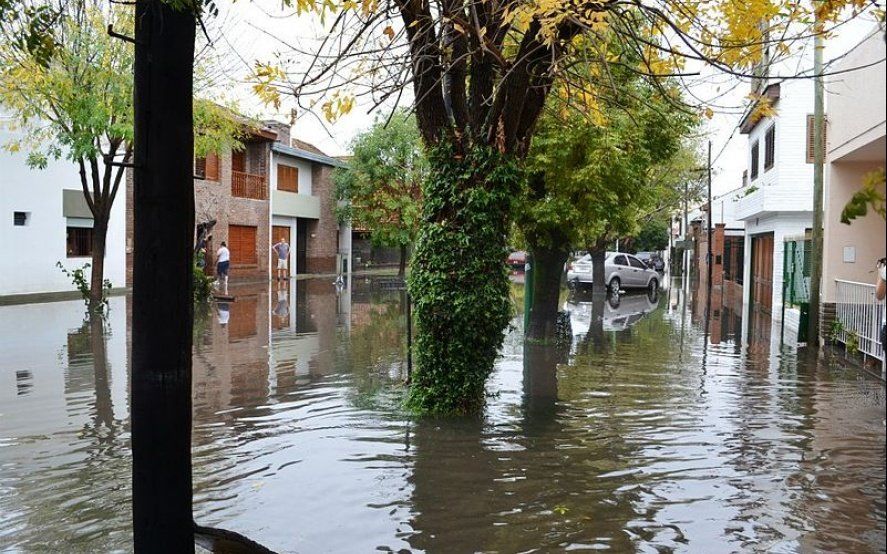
[548,268]
[162,310]
[402,267]
[97,269]
[598,257]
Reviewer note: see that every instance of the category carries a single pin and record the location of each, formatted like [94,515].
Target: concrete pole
[710,207]
[818,166]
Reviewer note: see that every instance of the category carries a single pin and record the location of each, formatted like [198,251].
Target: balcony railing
[247,185]
[860,316]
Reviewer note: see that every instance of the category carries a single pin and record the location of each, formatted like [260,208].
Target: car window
[620,260]
[636,263]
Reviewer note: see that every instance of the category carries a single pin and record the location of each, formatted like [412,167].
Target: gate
[762,271]
[796,279]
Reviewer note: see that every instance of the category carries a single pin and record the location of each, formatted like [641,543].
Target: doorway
[301,246]
[762,272]
[278,232]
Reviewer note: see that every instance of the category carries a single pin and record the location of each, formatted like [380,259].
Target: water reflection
[657,429]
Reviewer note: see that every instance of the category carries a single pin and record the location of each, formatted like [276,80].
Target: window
[287,178]
[770,148]
[755,159]
[79,242]
[242,244]
[810,153]
[620,260]
[20,219]
[207,168]
[238,161]
[636,263]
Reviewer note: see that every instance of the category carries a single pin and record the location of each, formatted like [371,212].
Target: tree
[381,188]
[652,236]
[595,179]
[480,73]
[74,99]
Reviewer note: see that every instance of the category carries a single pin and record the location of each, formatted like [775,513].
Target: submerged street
[655,430]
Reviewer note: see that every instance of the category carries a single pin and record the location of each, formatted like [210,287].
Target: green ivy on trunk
[458,280]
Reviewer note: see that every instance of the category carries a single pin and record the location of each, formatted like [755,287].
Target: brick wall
[213,200]
[323,234]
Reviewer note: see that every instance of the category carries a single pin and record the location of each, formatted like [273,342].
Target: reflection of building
[856,146]
[45,220]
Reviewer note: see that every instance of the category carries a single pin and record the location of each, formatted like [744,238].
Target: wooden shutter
[287,178]
[810,154]
[242,244]
[770,147]
[200,167]
[755,160]
[238,161]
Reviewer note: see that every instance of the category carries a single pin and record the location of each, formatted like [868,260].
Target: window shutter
[212,167]
[810,158]
[287,178]
[755,160]
[770,147]
[242,244]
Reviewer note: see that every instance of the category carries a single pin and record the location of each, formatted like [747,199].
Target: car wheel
[615,285]
[654,284]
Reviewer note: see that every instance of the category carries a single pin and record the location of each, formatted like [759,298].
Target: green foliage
[869,195]
[653,236]
[597,178]
[81,283]
[458,282]
[381,188]
[202,284]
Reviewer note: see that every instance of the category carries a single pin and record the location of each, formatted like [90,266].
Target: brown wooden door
[242,244]
[278,232]
[762,271]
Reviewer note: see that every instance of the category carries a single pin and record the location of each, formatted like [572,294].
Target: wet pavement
[657,429]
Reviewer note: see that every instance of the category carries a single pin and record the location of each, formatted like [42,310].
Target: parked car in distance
[621,271]
[517,260]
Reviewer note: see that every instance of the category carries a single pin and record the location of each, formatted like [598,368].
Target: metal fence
[858,317]
[796,272]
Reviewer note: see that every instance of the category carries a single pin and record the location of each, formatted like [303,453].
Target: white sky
[248,31]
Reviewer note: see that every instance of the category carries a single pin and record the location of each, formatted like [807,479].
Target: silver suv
[621,271]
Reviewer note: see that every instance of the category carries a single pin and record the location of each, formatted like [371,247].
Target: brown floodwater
[655,430]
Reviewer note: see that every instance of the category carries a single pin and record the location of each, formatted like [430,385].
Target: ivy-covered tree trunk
[458,280]
[548,268]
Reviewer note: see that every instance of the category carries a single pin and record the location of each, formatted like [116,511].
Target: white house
[44,219]
[855,146]
[777,199]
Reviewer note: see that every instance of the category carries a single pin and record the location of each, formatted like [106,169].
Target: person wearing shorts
[282,249]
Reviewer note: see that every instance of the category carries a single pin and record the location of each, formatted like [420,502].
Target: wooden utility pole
[818,167]
[162,303]
[709,254]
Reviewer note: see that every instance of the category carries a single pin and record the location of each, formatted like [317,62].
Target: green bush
[202,284]
[81,283]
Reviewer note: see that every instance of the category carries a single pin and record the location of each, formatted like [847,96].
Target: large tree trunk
[598,257]
[458,281]
[97,270]
[162,303]
[402,265]
[548,268]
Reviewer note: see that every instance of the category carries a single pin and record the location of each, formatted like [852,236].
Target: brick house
[244,191]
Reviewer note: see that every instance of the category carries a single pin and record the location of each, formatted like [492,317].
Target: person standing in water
[282,249]
[223,264]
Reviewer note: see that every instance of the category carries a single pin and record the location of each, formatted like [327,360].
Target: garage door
[242,244]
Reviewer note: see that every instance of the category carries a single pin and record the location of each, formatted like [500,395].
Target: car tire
[654,284]
[615,285]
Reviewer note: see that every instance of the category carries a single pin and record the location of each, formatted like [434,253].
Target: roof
[748,122]
[307,155]
[306,146]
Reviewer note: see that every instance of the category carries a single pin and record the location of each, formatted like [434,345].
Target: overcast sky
[246,32]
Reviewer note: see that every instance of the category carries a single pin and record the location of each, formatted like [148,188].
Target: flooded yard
[657,429]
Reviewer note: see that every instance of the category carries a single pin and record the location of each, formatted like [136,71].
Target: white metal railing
[860,317]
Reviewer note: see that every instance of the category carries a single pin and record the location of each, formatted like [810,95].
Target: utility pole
[708,211]
[818,163]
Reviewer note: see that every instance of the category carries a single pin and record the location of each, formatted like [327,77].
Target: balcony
[248,185]
[764,200]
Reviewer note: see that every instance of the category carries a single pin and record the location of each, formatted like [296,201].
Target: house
[303,207]
[44,219]
[777,201]
[855,147]
[254,196]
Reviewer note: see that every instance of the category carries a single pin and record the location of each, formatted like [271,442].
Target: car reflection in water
[619,311]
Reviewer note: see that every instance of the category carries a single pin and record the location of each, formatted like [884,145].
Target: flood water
[656,430]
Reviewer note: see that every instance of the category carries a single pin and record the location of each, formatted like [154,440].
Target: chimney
[282,130]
